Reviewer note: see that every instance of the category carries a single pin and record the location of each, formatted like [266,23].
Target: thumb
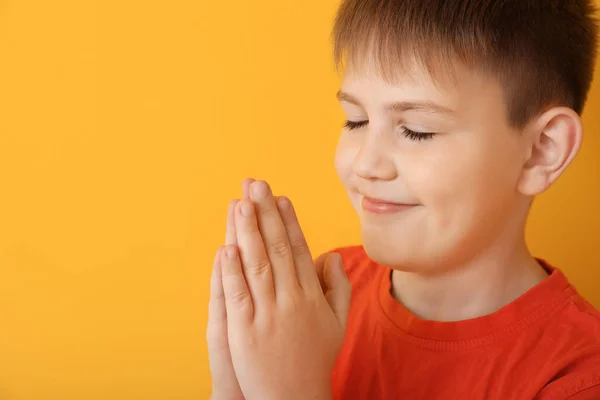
[338,287]
[320,270]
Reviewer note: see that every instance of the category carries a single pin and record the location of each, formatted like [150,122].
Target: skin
[268,299]
[459,252]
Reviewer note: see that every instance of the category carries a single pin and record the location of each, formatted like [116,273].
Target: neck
[480,287]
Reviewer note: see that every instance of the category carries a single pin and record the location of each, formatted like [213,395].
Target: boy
[459,113]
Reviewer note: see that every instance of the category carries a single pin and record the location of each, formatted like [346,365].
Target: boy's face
[457,188]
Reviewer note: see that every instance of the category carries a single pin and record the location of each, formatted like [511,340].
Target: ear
[553,141]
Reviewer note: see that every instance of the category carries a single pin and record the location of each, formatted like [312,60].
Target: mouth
[379,206]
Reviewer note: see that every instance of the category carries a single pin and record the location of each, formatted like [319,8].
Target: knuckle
[216,298]
[240,298]
[290,304]
[299,247]
[280,248]
[259,267]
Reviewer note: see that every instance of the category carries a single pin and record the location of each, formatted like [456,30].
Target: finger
[216,309]
[305,269]
[339,289]
[216,331]
[238,301]
[230,235]
[319,263]
[255,261]
[246,187]
[274,237]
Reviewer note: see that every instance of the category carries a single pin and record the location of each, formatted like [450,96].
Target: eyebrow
[402,106]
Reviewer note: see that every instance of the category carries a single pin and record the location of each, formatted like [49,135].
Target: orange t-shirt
[545,345]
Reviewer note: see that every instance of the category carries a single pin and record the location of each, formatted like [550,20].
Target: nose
[373,160]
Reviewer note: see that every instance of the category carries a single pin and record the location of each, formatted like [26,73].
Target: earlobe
[555,139]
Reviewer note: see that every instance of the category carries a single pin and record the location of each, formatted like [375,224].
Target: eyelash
[412,135]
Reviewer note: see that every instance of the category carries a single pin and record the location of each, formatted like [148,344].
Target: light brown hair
[542,52]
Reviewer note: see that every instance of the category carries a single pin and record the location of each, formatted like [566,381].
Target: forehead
[457,87]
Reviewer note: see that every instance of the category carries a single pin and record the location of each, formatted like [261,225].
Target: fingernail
[283,203]
[247,209]
[334,259]
[259,190]
[231,253]
[338,259]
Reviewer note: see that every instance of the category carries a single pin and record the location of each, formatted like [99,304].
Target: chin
[388,252]
[393,252]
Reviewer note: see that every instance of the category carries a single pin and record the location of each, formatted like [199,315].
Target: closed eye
[355,124]
[410,134]
[417,136]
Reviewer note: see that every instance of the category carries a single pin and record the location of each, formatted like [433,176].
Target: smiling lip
[377,206]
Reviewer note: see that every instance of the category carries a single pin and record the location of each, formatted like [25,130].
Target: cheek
[431,172]
[494,168]
[471,180]
[344,157]
[456,178]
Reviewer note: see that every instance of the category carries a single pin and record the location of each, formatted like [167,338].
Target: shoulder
[577,385]
[575,331]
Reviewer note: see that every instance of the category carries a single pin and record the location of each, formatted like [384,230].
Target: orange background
[125,128]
